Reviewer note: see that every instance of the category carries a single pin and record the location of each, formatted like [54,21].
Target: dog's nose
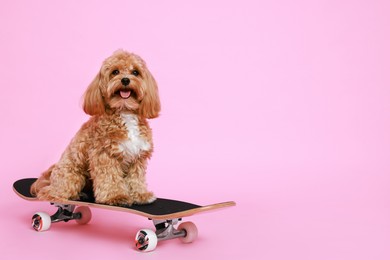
[125,81]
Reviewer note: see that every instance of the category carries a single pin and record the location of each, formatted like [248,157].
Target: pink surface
[282,106]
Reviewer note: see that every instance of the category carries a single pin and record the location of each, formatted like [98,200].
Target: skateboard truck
[41,221]
[64,213]
[165,230]
[146,239]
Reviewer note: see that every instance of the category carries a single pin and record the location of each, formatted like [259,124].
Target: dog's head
[123,84]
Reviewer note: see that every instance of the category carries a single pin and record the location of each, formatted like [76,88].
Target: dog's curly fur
[112,148]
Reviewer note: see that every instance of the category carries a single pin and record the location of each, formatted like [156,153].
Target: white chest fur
[135,143]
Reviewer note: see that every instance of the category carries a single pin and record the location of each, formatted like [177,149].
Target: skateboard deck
[165,213]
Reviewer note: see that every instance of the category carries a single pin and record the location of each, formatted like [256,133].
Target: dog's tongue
[125,93]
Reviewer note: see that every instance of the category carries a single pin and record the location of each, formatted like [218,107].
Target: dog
[112,148]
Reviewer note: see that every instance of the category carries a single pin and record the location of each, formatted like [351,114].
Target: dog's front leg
[108,181]
[136,183]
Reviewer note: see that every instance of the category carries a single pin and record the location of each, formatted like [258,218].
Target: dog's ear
[93,99]
[150,105]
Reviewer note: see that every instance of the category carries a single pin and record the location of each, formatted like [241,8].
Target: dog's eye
[135,72]
[115,72]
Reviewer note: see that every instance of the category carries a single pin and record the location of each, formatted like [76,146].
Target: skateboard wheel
[41,221]
[86,215]
[191,232]
[146,240]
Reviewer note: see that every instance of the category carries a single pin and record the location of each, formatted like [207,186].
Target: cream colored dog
[112,148]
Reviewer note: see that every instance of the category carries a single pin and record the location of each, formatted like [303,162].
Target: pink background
[282,106]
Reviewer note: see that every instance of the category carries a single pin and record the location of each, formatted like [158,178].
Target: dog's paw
[119,200]
[47,195]
[144,198]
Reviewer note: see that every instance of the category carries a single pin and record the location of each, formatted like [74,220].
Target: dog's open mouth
[125,93]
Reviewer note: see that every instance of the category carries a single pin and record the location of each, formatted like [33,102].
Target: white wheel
[146,240]
[191,232]
[86,215]
[41,221]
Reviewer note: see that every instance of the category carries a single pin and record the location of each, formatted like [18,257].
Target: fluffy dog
[112,148]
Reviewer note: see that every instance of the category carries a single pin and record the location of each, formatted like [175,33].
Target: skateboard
[165,214]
